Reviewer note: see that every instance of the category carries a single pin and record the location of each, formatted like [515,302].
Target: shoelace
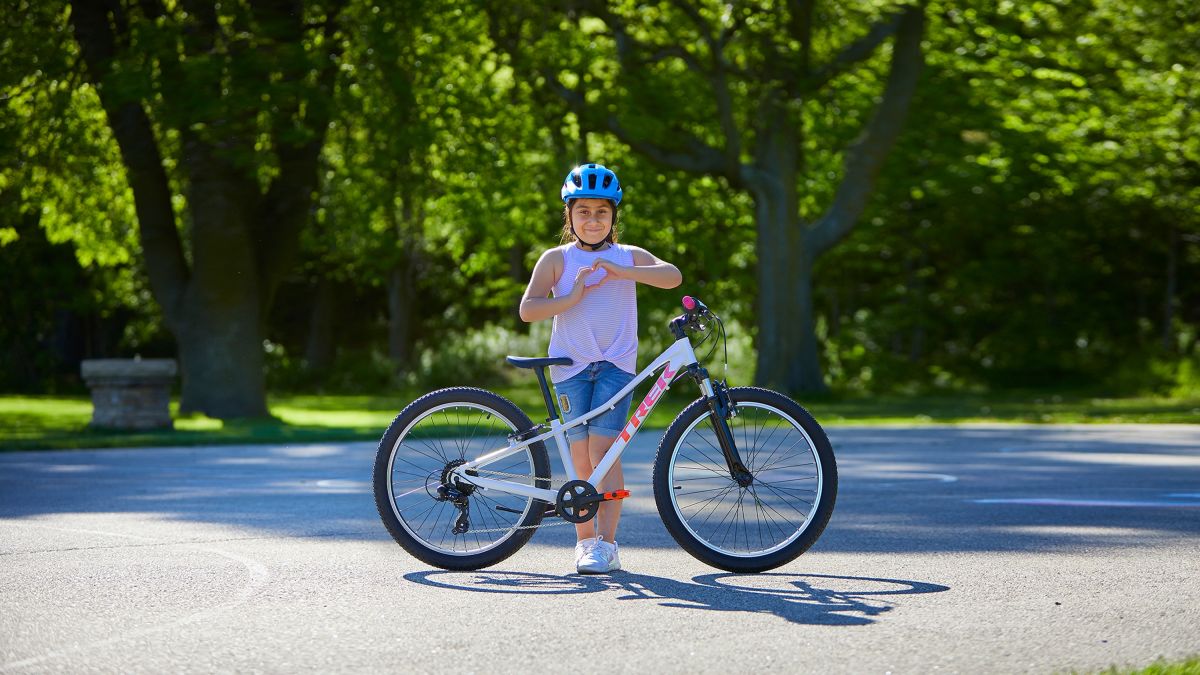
[606,551]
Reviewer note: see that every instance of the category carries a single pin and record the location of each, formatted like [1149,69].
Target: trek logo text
[644,409]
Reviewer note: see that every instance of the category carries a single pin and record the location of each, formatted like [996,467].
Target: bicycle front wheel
[430,437]
[767,523]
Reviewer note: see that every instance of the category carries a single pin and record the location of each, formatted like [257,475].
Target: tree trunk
[242,239]
[221,356]
[1171,290]
[402,304]
[407,223]
[318,349]
[519,274]
[788,357]
[220,331]
[835,312]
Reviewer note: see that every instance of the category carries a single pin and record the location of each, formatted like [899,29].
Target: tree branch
[857,51]
[800,26]
[697,157]
[631,51]
[866,154]
[689,10]
[285,208]
[727,33]
[162,250]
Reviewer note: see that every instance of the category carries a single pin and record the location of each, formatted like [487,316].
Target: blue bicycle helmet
[591,180]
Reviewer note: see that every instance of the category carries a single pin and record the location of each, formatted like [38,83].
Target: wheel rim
[439,436]
[771,513]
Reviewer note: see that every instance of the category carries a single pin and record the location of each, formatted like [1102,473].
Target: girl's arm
[646,269]
[535,306]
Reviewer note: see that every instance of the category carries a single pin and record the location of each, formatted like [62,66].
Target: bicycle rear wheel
[775,518]
[430,437]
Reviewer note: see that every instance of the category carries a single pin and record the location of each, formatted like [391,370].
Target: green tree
[428,192]
[220,113]
[1023,234]
[727,91]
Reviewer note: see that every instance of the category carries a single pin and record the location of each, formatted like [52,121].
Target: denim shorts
[591,387]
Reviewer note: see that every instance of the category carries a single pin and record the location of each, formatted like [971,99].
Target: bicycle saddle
[539,362]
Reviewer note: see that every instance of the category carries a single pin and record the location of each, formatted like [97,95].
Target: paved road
[955,549]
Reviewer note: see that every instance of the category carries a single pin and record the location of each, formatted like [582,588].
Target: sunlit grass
[1188,667]
[33,422]
[1008,407]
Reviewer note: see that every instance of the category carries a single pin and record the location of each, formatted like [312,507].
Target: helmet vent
[591,181]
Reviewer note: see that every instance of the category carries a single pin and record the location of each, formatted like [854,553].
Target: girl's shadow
[800,598]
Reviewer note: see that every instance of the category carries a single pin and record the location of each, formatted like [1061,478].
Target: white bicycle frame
[676,358]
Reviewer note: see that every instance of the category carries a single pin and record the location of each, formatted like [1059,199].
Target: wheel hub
[451,486]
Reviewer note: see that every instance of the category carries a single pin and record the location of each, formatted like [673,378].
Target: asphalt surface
[952,549]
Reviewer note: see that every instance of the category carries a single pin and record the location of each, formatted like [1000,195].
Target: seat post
[550,407]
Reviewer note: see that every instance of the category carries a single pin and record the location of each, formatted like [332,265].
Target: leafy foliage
[1036,223]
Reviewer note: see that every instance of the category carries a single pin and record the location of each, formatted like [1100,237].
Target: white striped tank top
[603,326]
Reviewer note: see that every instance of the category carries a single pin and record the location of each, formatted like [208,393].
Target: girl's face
[593,218]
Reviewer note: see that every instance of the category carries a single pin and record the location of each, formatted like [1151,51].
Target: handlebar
[694,311]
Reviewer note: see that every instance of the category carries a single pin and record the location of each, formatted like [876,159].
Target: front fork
[721,409]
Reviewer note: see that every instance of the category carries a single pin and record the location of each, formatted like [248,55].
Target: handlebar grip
[694,305]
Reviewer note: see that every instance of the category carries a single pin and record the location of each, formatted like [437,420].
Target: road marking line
[1036,501]
[259,576]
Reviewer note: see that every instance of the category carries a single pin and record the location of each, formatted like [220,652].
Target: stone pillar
[130,393]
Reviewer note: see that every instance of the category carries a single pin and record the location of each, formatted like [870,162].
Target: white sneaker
[585,554]
[599,556]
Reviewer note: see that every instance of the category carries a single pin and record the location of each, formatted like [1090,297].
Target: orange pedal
[616,494]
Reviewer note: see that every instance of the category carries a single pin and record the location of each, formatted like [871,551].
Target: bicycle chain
[519,527]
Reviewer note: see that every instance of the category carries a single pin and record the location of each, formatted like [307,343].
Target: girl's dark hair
[568,237]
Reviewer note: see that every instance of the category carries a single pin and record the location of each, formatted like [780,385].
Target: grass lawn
[43,422]
[1188,667]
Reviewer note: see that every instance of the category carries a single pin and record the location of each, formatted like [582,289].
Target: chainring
[578,501]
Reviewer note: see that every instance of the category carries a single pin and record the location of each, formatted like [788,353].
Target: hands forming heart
[611,271]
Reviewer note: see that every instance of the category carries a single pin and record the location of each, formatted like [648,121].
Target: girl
[591,280]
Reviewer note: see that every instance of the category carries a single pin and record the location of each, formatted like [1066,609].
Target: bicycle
[462,476]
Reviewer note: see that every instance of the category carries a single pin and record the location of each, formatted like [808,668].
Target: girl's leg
[581,458]
[610,512]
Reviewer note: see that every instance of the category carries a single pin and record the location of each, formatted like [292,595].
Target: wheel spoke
[714,447]
[766,466]
[776,512]
[714,504]
[755,521]
[783,496]
[454,432]
[723,474]
[437,460]
[709,499]
[754,448]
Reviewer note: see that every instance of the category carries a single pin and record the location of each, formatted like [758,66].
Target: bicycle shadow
[812,599]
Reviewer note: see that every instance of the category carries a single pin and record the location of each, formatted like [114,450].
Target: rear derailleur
[456,492]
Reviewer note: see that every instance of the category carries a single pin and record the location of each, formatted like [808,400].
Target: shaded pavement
[972,548]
